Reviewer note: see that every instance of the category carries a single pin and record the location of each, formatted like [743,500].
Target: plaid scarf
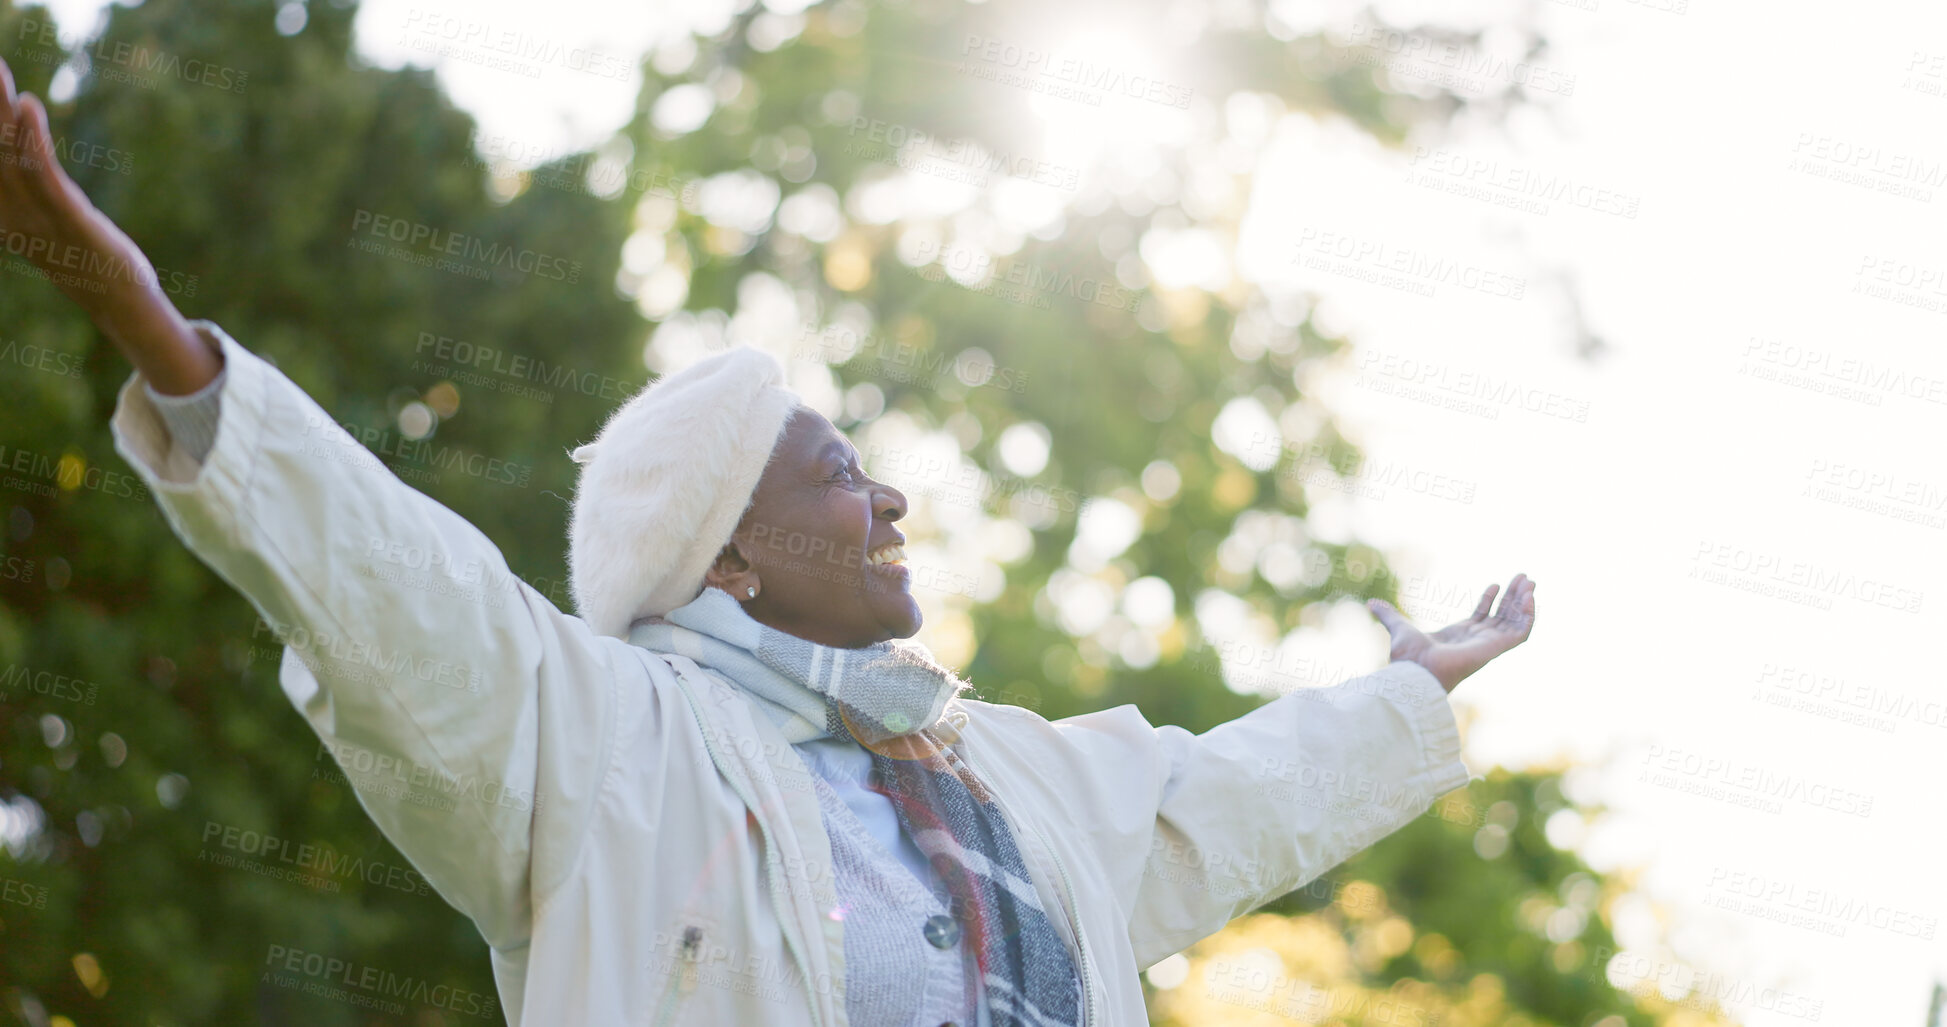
[887,696]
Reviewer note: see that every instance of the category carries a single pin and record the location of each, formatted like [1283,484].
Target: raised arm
[48,219]
[1266,803]
[470,715]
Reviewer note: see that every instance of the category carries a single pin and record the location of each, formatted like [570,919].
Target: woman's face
[818,544]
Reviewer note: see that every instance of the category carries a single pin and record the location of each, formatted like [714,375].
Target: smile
[892,554]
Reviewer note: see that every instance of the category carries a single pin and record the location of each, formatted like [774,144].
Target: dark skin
[804,544]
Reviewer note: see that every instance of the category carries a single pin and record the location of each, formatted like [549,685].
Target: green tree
[253,200]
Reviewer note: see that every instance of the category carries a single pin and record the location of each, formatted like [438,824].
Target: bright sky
[1769,156]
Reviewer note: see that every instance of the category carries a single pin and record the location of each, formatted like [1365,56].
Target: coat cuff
[200,498]
[1435,727]
[191,419]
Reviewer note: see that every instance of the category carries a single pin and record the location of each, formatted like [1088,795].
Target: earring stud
[751,591]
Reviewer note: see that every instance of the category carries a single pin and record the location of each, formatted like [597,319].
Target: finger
[1522,623]
[9,131]
[1522,617]
[40,171]
[22,159]
[1486,604]
[6,88]
[1510,597]
[11,127]
[33,133]
[1388,616]
[49,175]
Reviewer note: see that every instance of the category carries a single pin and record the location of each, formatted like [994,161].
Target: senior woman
[728,791]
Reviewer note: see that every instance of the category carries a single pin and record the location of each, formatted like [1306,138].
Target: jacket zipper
[782,909]
[692,944]
[1073,910]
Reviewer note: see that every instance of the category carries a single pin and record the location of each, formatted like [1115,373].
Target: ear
[732,572]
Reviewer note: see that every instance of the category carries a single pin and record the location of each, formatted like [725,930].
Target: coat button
[942,931]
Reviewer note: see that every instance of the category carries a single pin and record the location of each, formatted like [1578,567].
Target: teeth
[894,553]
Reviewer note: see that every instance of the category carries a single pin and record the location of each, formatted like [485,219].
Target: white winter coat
[634,843]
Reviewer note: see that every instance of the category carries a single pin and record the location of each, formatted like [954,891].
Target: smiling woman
[817,552]
[729,789]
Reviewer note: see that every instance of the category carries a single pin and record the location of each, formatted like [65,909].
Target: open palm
[1463,647]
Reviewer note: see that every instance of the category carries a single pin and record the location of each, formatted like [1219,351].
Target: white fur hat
[663,486]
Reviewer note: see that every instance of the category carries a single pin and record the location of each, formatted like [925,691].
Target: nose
[889,502]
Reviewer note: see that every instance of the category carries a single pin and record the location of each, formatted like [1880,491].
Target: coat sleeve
[1262,805]
[471,717]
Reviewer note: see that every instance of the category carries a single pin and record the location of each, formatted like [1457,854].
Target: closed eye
[845,462]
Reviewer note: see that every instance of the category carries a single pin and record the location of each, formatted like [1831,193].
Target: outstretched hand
[45,217]
[79,249]
[1463,647]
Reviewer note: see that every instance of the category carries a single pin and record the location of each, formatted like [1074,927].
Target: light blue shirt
[847,767]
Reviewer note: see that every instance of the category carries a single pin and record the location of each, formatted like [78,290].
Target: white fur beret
[664,484]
